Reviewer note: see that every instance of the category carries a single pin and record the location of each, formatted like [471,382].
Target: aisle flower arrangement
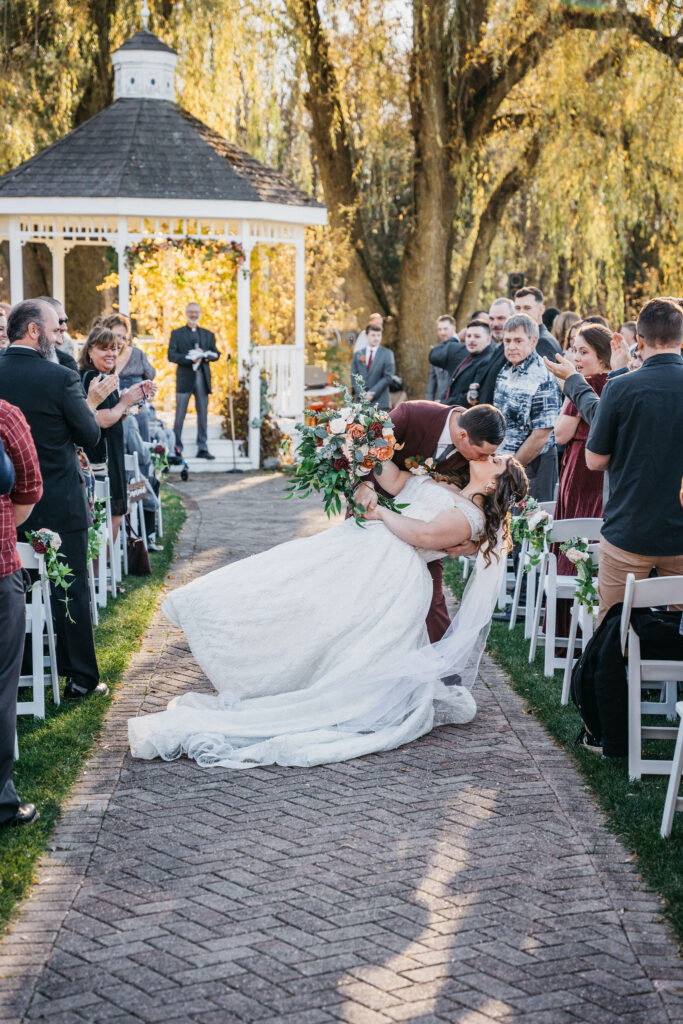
[576,550]
[531,523]
[47,543]
[98,512]
[338,449]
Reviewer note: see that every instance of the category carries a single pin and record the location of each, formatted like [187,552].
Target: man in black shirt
[636,435]
[479,350]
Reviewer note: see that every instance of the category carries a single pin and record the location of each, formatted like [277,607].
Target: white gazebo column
[124,276]
[58,251]
[244,349]
[299,368]
[16,264]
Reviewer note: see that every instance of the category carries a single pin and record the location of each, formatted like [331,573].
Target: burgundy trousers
[438,619]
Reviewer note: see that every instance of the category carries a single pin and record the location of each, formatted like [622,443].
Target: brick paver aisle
[465,878]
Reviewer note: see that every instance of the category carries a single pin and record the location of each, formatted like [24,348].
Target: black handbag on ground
[138,556]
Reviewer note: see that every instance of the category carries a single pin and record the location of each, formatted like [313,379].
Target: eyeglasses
[64,322]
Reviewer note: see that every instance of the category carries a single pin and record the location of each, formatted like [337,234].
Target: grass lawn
[634,809]
[52,752]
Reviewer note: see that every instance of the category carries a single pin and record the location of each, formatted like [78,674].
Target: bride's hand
[373,513]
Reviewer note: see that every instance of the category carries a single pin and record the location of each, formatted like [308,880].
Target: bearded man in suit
[453,437]
[192,348]
[375,365]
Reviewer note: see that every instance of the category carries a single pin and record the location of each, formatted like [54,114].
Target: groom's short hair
[484,424]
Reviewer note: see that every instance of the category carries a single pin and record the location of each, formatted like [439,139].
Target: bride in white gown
[318,647]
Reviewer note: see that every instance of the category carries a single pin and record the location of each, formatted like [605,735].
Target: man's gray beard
[45,346]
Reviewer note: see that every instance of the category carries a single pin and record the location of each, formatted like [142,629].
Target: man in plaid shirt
[530,400]
[17,443]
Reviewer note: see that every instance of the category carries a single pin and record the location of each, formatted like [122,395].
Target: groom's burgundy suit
[418,427]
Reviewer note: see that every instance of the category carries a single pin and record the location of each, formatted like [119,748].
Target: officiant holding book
[193,349]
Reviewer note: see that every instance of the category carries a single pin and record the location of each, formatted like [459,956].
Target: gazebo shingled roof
[149,148]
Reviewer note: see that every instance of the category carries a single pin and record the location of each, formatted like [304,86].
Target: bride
[318,647]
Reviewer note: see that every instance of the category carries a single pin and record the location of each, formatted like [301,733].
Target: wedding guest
[361,342]
[61,350]
[636,416]
[450,351]
[16,505]
[480,314]
[635,358]
[581,489]
[59,416]
[98,357]
[439,376]
[193,375]
[501,309]
[628,332]
[132,365]
[562,327]
[530,400]
[376,367]
[530,301]
[479,351]
[550,315]
[4,340]
[595,318]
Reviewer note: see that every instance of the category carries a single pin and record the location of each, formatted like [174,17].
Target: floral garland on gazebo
[147,248]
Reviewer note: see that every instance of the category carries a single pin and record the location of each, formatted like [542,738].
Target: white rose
[56,541]
[575,555]
[362,470]
[337,426]
[387,431]
[346,413]
[537,518]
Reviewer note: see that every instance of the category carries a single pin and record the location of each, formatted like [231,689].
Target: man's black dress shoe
[26,814]
[205,455]
[72,691]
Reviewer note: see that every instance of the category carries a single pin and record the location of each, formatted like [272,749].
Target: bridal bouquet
[338,449]
[531,523]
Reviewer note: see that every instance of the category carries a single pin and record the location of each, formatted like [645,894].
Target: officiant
[193,348]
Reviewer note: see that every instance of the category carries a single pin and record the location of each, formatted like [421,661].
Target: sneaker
[72,691]
[205,455]
[587,741]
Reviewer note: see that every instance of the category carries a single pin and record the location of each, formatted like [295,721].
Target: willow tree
[465,69]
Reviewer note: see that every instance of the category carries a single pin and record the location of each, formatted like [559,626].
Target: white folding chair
[552,587]
[92,590]
[650,673]
[584,617]
[39,625]
[673,801]
[159,525]
[107,555]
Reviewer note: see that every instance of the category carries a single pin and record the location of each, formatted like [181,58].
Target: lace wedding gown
[318,648]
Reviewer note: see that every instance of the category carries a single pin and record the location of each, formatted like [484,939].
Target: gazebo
[144,168]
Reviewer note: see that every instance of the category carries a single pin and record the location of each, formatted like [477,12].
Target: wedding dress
[318,648]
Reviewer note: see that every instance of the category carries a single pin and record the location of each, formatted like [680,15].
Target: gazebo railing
[284,365]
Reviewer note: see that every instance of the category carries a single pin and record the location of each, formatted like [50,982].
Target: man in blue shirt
[530,400]
[637,435]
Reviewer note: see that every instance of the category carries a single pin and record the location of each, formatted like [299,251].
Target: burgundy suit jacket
[418,426]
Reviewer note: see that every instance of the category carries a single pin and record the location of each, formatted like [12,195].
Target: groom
[453,437]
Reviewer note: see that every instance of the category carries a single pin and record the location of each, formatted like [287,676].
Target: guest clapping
[97,360]
[132,365]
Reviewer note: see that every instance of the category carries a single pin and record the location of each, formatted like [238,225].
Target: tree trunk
[99,90]
[425,269]
[331,143]
[489,224]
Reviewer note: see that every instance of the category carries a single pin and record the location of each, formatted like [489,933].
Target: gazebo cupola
[145,168]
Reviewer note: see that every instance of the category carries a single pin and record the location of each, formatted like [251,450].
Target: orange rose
[368,462]
[355,431]
[383,454]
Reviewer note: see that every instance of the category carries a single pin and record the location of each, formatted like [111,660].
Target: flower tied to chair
[576,550]
[47,543]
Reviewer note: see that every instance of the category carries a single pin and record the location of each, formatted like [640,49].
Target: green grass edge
[53,751]
[633,809]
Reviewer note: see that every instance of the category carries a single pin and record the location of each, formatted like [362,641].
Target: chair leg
[540,593]
[93,593]
[571,645]
[518,584]
[51,642]
[530,603]
[635,753]
[102,570]
[671,801]
[16,746]
[550,621]
[37,667]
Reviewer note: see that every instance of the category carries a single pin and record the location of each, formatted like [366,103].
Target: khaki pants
[615,564]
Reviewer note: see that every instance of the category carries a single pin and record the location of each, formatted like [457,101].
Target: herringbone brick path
[465,878]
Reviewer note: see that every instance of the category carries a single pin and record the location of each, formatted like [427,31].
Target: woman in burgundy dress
[580,492]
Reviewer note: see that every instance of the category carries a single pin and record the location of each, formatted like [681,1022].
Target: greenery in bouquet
[159,457]
[576,550]
[47,543]
[339,448]
[531,523]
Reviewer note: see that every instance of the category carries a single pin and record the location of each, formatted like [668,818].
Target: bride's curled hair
[511,487]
